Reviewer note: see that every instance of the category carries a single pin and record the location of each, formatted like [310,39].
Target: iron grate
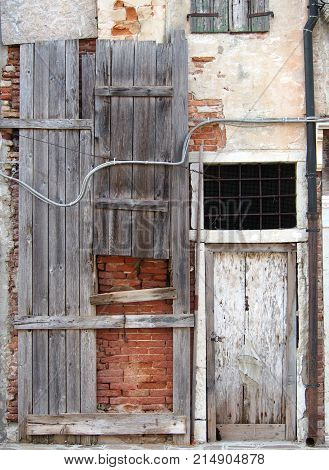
[250,196]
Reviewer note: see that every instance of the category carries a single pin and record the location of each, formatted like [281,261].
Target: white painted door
[249,342]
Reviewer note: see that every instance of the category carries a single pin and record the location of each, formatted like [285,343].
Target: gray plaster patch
[24,21]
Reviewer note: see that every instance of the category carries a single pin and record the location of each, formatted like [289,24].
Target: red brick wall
[134,366]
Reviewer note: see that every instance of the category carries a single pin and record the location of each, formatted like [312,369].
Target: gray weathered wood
[210,328]
[143,295]
[209,24]
[134,91]
[163,151]
[102,145]
[144,149]
[132,205]
[252,432]
[180,234]
[56,228]
[221,24]
[46,124]
[25,238]
[87,280]
[262,23]
[122,116]
[72,228]
[40,234]
[290,390]
[107,424]
[103,322]
[239,21]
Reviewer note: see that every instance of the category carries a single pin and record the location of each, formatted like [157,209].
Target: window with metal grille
[250,196]
[222,16]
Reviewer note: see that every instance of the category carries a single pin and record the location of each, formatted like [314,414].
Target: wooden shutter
[209,24]
[234,16]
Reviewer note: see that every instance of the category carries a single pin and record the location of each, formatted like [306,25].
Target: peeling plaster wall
[41,20]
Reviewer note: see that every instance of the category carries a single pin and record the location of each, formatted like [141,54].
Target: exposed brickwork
[134,366]
[9,101]
[213,136]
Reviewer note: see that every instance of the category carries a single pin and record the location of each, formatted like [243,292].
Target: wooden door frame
[291,356]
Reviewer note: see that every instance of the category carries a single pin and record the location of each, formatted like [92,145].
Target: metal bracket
[202,15]
[313,230]
[215,338]
[258,15]
[312,385]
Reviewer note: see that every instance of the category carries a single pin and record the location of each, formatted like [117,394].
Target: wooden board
[25,238]
[144,149]
[135,91]
[209,24]
[229,323]
[252,432]
[122,116]
[46,124]
[261,23]
[101,322]
[107,424]
[239,21]
[132,205]
[179,234]
[143,295]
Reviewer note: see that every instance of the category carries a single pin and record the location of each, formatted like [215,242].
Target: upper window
[250,196]
[222,16]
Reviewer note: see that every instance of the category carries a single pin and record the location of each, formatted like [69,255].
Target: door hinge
[202,15]
[216,339]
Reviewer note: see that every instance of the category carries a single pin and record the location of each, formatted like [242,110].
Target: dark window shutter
[261,23]
[209,24]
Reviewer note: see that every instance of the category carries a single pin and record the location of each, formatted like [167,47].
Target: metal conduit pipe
[311,390]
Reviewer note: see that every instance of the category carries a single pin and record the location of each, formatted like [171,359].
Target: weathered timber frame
[287,431]
[57,319]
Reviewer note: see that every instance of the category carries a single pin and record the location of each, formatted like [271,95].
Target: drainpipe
[311,391]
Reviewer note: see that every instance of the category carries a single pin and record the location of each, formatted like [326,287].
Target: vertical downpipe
[311,392]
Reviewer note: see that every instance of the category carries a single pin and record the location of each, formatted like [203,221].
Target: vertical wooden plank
[291,367]
[144,149]
[102,144]
[210,325]
[163,151]
[57,356]
[25,238]
[222,8]
[261,361]
[229,326]
[239,21]
[262,23]
[88,337]
[40,231]
[122,114]
[72,175]
[198,24]
[180,233]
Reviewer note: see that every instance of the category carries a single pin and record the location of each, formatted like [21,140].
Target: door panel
[249,340]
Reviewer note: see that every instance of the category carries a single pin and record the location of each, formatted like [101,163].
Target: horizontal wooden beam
[103,322]
[106,424]
[65,124]
[135,91]
[143,295]
[132,205]
[250,432]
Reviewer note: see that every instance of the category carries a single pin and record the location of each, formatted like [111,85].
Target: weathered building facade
[237,259]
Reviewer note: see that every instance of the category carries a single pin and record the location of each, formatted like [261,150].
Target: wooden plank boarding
[87,281]
[135,91]
[132,204]
[102,145]
[45,124]
[109,424]
[239,21]
[25,238]
[261,23]
[40,235]
[122,114]
[144,149]
[104,322]
[250,432]
[140,295]
[180,234]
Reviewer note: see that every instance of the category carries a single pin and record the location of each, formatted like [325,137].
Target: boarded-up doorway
[251,344]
